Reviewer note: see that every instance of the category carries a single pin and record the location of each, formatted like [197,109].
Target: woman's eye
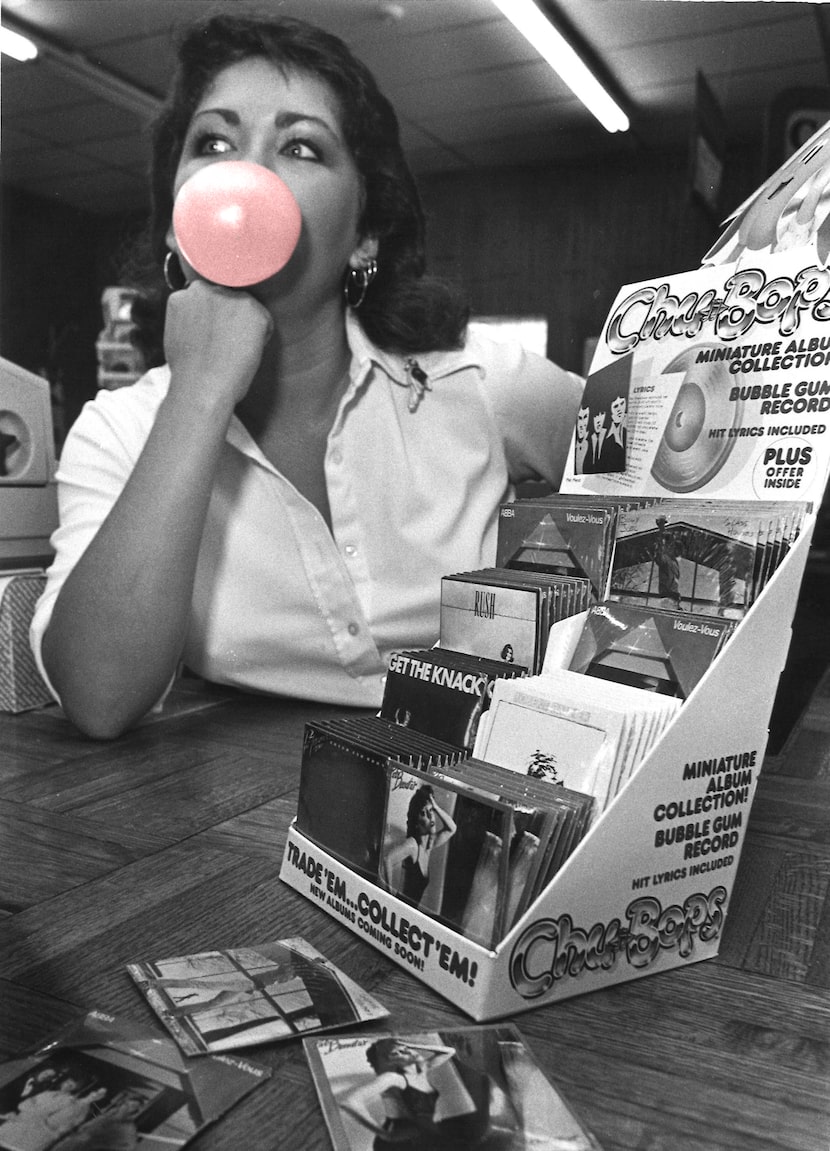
[210,145]
[301,150]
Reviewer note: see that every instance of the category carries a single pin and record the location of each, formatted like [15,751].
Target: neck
[303,373]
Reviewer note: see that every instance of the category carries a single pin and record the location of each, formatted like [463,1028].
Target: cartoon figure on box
[427,827]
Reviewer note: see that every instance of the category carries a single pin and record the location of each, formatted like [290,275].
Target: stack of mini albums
[494,753]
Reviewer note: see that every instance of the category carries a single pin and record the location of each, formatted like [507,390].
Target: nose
[255,151]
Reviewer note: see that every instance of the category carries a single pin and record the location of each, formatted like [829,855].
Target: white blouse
[285,606]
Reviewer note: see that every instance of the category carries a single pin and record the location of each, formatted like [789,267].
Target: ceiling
[470,92]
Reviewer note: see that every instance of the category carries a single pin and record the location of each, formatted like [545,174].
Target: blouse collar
[416,373]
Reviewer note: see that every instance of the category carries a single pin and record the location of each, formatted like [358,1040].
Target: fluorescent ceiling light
[75,66]
[553,47]
[16,46]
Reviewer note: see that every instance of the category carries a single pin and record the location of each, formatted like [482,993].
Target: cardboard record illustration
[688,457]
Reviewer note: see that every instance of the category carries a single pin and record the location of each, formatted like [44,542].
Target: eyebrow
[281,120]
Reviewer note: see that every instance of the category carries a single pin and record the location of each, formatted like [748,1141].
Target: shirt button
[350,550]
[353,628]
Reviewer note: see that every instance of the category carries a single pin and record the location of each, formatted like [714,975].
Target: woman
[403,1090]
[427,826]
[276,505]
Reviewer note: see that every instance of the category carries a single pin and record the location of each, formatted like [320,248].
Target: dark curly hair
[421,799]
[378,1052]
[404,309]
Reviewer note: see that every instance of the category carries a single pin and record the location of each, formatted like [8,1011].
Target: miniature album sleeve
[441,692]
[342,793]
[569,746]
[499,622]
[221,1000]
[445,851]
[653,649]
[557,536]
[477,1087]
[109,1083]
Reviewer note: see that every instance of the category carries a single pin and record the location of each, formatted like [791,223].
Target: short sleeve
[534,403]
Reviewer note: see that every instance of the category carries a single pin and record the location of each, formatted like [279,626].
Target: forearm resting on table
[121,617]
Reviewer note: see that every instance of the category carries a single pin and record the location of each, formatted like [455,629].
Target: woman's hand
[214,338]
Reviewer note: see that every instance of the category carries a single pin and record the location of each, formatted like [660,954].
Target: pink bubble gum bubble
[236,223]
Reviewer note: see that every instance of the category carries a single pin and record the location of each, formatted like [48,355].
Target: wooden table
[170,840]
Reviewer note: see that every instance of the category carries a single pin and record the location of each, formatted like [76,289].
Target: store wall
[55,263]
[560,242]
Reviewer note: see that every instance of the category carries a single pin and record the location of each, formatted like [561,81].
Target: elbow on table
[103,729]
[97,708]
[100,719]
[102,703]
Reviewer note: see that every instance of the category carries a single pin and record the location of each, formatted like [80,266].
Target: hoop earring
[174,277]
[357,283]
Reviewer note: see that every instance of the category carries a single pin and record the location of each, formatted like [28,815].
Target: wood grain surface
[170,840]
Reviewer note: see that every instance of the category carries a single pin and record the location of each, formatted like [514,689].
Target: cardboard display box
[648,888]
[715,382]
